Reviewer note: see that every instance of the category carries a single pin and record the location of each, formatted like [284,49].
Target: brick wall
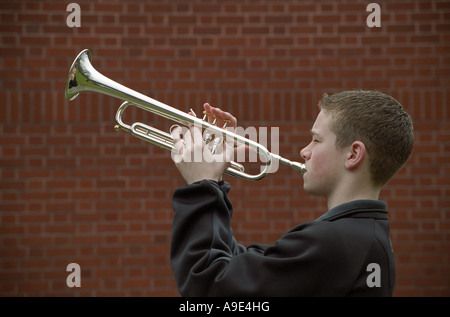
[73,190]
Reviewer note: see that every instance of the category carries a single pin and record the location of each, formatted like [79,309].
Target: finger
[177,157]
[175,131]
[196,135]
[178,142]
[233,121]
[229,152]
[223,116]
[208,108]
[217,113]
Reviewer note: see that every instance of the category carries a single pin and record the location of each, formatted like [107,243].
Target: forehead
[322,124]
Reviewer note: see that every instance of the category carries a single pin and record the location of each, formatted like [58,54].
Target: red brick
[70,184]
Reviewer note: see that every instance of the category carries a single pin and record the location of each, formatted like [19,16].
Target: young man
[359,141]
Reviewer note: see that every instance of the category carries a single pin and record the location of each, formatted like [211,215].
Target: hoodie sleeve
[202,238]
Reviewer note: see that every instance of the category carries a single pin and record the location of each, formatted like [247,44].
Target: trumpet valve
[217,142]
[205,115]
[225,123]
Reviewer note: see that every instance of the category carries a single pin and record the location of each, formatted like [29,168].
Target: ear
[356,154]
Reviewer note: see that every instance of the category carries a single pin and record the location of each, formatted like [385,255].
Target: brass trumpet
[83,77]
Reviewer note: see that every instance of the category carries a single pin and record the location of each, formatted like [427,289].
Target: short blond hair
[377,120]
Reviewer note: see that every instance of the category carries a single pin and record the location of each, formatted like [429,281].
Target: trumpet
[84,77]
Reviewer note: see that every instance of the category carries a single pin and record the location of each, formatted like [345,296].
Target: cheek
[320,164]
[316,180]
[323,166]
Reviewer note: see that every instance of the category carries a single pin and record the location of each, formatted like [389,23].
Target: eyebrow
[314,132]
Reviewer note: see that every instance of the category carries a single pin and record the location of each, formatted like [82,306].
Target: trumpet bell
[75,78]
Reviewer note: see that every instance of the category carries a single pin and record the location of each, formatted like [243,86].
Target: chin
[307,189]
[310,189]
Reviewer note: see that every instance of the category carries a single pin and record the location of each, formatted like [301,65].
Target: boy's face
[324,162]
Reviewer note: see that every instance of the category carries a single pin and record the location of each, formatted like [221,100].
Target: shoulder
[323,237]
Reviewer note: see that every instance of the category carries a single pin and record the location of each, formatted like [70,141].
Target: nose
[305,153]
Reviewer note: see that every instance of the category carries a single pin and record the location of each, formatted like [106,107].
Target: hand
[222,115]
[194,159]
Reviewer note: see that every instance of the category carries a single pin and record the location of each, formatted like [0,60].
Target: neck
[350,193]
